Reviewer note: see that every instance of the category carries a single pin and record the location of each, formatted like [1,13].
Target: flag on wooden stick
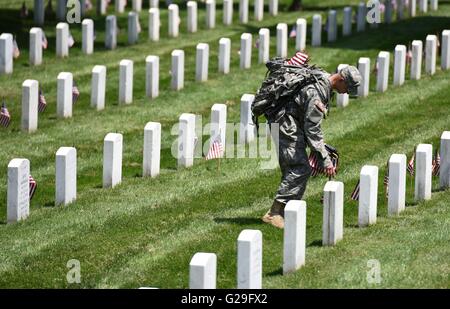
[215,150]
[33,186]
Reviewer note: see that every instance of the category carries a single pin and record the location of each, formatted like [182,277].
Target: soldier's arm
[314,113]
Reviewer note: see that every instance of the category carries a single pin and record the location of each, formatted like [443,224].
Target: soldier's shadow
[238,220]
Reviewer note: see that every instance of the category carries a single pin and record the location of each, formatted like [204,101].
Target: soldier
[299,126]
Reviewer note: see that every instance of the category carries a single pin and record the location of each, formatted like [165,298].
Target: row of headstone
[202,274]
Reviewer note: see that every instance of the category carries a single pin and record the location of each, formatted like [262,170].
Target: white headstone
[368,190]
[434,5]
[445,51]
[101,7]
[400,9]
[333,213]
[399,65]
[423,6]
[259,9]
[192,16]
[62,40]
[152,149]
[66,176]
[416,60]
[430,54]
[300,38]
[126,82]
[412,8]
[88,36]
[342,99]
[316,30]
[18,207]
[174,20]
[153,24]
[218,124]
[422,188]
[6,53]
[98,87]
[61,10]
[383,71]
[246,51]
[227,12]
[152,76]
[39,12]
[243,11]
[36,46]
[202,271]
[120,6]
[273,7]
[364,69]
[111,32]
[264,45]
[133,33]
[177,82]
[347,23]
[361,17]
[397,184]
[201,63]
[332,26]
[186,140]
[210,14]
[112,160]
[249,256]
[224,55]
[294,239]
[30,99]
[247,127]
[154,3]
[444,172]
[64,95]
[282,40]
[137,5]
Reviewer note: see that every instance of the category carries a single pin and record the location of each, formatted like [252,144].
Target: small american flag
[316,168]
[293,32]
[75,93]
[16,50]
[44,41]
[23,11]
[139,29]
[410,166]
[299,59]
[436,164]
[42,102]
[215,150]
[33,186]
[355,193]
[386,180]
[5,117]
[70,41]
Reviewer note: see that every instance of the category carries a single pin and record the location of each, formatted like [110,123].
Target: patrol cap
[352,79]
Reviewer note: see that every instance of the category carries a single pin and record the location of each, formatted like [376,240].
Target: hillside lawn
[145,231]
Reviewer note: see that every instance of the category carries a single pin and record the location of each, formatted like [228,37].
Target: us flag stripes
[33,186]
[315,164]
[215,150]
[5,117]
[436,164]
[386,180]
[410,166]
[355,193]
[42,102]
[298,59]
[44,41]
[16,50]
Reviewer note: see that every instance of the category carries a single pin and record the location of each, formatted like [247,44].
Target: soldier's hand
[330,171]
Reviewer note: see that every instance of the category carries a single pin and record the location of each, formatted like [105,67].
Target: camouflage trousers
[293,160]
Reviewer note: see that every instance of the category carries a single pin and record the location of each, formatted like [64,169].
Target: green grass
[145,231]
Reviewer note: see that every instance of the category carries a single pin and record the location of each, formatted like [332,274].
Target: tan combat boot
[275,215]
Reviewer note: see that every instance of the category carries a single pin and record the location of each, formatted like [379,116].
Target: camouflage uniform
[299,125]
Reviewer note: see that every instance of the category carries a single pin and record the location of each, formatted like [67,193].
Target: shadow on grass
[238,220]
[277,272]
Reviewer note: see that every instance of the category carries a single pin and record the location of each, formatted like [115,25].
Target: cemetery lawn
[145,231]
